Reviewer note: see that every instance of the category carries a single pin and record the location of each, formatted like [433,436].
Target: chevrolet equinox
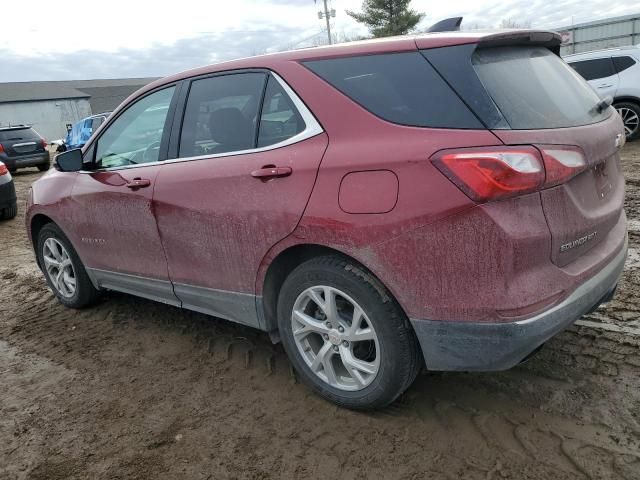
[451,200]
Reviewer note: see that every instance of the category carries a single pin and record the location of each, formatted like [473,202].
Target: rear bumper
[468,346]
[26,161]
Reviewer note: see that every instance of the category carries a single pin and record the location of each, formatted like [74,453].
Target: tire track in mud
[68,337]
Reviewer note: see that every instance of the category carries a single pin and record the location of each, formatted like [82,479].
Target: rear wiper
[603,104]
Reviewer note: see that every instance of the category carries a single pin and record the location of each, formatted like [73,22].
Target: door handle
[271,171]
[605,85]
[137,183]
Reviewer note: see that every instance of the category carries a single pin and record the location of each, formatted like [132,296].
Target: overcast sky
[129,38]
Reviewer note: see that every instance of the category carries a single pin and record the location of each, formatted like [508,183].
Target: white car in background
[614,72]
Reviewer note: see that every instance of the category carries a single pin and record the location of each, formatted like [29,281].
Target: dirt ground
[133,389]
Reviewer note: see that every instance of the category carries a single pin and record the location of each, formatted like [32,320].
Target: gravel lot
[134,389]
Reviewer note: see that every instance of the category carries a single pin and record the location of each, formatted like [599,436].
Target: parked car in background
[21,146]
[451,200]
[81,131]
[616,73]
[8,202]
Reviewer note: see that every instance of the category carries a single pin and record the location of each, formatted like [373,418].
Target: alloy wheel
[335,338]
[59,268]
[630,119]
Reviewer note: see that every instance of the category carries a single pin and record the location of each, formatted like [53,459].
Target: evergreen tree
[387,17]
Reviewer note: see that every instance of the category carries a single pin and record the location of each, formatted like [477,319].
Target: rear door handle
[271,171]
[137,183]
[605,85]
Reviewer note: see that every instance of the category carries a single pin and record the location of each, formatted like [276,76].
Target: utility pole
[326,14]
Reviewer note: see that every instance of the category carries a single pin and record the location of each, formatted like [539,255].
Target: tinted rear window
[18,134]
[401,87]
[535,89]
[594,69]
[622,63]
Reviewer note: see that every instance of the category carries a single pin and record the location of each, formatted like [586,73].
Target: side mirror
[70,161]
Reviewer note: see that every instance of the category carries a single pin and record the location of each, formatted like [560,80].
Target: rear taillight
[1,148]
[490,174]
[561,164]
[43,142]
[494,173]
[3,169]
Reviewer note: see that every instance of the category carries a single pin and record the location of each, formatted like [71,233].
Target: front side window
[134,137]
[594,69]
[221,114]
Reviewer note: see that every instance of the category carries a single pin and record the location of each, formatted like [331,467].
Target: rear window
[535,89]
[402,88]
[18,134]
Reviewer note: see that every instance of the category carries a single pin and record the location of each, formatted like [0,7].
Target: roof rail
[447,25]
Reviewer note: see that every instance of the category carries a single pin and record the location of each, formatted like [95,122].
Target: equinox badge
[578,241]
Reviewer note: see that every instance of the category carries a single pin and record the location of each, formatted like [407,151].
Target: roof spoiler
[548,39]
[447,25]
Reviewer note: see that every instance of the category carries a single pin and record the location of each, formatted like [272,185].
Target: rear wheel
[63,269]
[346,336]
[9,212]
[630,114]
[44,167]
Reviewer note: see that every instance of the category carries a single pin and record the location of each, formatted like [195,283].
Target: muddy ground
[134,389]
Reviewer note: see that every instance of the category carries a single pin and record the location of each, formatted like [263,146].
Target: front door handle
[137,183]
[605,85]
[271,171]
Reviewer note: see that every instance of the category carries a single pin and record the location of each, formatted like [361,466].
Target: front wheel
[63,269]
[345,335]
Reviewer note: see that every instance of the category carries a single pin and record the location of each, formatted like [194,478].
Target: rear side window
[16,134]
[280,119]
[622,63]
[402,88]
[594,69]
[221,114]
[535,89]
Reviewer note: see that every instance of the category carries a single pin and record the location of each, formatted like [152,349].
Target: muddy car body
[368,222]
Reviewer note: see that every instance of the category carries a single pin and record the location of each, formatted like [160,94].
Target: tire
[394,350]
[630,113]
[84,293]
[9,212]
[44,167]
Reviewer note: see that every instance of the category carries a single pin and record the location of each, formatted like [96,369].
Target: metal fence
[600,34]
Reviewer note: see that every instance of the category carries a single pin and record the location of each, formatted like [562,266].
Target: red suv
[452,200]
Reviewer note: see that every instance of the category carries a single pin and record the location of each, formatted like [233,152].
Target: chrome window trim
[312,128]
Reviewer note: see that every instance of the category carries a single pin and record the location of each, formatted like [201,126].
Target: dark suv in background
[21,146]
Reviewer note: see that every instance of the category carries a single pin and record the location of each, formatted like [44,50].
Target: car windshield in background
[15,134]
[535,89]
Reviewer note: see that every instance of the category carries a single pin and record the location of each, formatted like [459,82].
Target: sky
[128,38]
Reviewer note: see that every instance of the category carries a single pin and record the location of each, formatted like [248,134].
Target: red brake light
[1,148]
[493,173]
[3,168]
[562,163]
[43,142]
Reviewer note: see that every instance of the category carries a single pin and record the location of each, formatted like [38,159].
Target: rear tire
[355,373]
[44,167]
[72,287]
[9,212]
[630,113]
